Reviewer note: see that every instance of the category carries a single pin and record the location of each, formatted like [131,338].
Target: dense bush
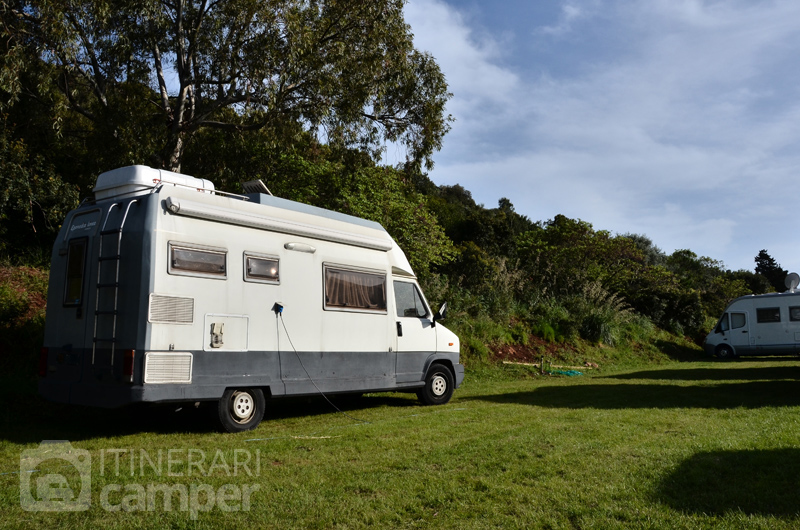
[23,298]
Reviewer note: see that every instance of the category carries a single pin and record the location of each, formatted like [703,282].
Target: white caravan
[766,324]
[163,289]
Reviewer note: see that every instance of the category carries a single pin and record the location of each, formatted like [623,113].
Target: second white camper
[766,324]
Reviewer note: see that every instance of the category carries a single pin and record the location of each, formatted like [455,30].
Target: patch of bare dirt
[531,352]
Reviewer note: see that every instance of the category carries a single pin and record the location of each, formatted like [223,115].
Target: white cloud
[687,133]
[468,61]
[486,90]
[570,13]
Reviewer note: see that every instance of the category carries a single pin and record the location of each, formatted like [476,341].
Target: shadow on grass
[679,352]
[31,419]
[729,373]
[758,482]
[659,396]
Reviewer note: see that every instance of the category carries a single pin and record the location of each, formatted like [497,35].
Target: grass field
[683,445]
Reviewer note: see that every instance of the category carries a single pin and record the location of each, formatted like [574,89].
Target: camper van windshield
[723,323]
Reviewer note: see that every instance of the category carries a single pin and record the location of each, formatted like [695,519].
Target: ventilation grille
[167,367]
[171,309]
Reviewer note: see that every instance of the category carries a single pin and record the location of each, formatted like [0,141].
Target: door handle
[399,329]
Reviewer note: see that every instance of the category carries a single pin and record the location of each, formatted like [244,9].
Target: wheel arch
[438,359]
[725,346]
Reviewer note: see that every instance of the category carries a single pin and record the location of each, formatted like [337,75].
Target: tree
[33,202]
[652,254]
[771,270]
[347,68]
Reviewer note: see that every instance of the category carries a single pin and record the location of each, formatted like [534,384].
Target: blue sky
[678,119]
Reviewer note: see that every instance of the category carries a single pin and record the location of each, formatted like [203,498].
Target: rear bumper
[112,396]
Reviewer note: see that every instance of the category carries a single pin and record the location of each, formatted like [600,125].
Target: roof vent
[255,186]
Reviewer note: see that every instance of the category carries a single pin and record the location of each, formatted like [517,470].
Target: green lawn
[687,445]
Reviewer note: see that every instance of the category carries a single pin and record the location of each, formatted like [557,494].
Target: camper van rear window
[197,262]
[261,269]
[768,314]
[76,264]
[351,290]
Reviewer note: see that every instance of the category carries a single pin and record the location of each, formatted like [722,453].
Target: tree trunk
[173,152]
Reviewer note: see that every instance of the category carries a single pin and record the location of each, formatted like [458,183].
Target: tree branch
[162,83]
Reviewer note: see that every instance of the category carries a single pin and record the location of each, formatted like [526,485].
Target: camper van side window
[408,301]
[738,320]
[76,265]
[352,290]
[794,314]
[197,262]
[261,269]
[768,314]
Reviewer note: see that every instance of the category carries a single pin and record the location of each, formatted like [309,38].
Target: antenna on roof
[255,186]
[792,281]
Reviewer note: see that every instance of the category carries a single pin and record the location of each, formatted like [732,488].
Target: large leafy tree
[344,69]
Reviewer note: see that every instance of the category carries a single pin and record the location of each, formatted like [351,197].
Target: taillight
[43,361]
[127,366]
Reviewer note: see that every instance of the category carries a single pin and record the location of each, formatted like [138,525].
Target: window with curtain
[354,290]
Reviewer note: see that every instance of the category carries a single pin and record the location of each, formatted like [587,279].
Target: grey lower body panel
[279,373]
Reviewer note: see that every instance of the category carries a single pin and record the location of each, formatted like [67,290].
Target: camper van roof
[277,202]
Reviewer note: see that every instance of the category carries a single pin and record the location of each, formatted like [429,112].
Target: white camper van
[766,324]
[163,289]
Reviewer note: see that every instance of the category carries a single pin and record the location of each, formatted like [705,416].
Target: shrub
[23,299]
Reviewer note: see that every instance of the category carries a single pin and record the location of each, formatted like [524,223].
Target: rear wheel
[241,409]
[725,353]
[439,386]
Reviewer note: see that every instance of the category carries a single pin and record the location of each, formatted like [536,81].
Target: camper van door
[416,337]
[740,337]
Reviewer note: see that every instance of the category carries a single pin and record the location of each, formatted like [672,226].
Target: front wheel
[241,409]
[725,353]
[439,386]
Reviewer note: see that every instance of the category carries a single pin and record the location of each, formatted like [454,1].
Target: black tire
[439,386]
[241,409]
[725,353]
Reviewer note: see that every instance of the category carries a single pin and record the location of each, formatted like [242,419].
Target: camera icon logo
[51,491]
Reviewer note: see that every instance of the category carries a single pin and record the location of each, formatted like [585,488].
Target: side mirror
[441,313]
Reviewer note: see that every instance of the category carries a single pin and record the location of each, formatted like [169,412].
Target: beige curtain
[355,290]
